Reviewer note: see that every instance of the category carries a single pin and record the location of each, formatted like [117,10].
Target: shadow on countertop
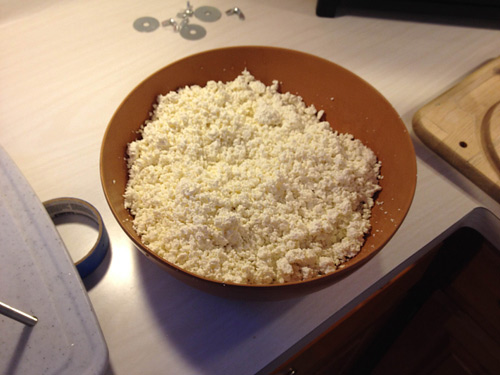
[183,313]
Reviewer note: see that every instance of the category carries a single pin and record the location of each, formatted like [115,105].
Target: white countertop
[65,66]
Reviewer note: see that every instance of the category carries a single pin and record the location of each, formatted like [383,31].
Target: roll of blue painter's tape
[94,257]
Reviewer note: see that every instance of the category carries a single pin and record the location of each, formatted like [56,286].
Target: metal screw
[183,23]
[177,25]
[169,22]
[237,11]
[188,12]
[184,16]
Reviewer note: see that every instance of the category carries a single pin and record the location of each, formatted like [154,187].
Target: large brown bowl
[350,104]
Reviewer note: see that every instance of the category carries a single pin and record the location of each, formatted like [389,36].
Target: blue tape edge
[96,254]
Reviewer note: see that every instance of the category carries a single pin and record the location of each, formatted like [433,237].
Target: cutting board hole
[463,144]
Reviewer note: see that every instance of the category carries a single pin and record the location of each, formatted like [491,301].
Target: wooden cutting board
[463,126]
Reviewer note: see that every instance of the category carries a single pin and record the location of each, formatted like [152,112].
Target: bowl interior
[351,105]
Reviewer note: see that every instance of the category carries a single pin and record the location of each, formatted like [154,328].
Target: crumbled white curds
[240,183]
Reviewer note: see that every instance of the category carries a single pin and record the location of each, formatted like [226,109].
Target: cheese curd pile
[240,183]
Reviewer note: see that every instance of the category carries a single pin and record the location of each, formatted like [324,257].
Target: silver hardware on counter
[207,14]
[193,32]
[182,25]
[236,11]
[188,12]
[170,22]
[177,25]
[146,24]
[187,31]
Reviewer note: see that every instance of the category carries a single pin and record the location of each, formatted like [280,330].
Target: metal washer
[146,24]
[193,32]
[207,14]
